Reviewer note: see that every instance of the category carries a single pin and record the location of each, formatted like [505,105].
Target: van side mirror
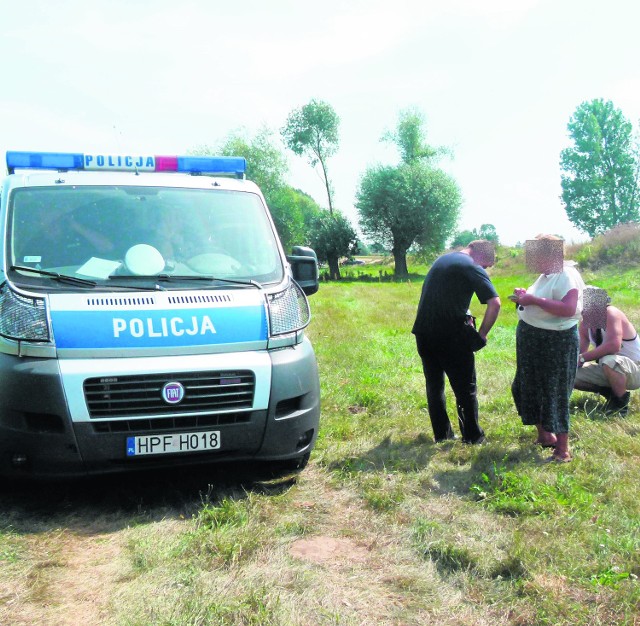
[304,266]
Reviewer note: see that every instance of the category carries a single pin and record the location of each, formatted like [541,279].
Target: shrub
[618,246]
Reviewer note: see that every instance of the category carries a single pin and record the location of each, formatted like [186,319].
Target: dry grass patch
[367,573]
[64,581]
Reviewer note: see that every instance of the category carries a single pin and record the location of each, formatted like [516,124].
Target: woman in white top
[547,344]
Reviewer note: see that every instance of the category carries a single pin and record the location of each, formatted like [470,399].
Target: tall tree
[599,171]
[408,204]
[488,232]
[266,163]
[411,203]
[312,131]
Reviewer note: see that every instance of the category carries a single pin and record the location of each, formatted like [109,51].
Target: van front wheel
[290,465]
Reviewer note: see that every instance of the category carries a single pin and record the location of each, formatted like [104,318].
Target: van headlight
[22,318]
[288,310]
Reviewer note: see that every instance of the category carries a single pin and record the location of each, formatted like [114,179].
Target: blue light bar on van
[43,161]
[125,163]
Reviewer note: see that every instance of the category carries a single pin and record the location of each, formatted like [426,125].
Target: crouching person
[609,361]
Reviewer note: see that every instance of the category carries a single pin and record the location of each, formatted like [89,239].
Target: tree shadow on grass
[109,503]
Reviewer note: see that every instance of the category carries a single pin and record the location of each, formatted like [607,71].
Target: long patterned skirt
[545,372]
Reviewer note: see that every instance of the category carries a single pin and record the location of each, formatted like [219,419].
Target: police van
[149,318]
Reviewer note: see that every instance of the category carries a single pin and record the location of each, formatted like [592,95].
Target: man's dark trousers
[445,353]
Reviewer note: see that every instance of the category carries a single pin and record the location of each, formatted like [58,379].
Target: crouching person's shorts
[593,373]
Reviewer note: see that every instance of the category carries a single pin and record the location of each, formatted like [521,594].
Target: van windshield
[102,232]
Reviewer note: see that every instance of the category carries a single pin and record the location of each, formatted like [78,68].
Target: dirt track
[71,538]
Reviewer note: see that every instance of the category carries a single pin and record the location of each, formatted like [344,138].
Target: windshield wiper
[244,283]
[180,277]
[61,278]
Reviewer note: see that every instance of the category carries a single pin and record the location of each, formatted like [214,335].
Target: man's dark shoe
[618,406]
[475,442]
[449,438]
[605,392]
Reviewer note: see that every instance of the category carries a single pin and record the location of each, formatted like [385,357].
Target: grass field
[534,542]
[382,527]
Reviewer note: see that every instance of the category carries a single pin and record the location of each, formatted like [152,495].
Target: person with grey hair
[547,344]
[609,361]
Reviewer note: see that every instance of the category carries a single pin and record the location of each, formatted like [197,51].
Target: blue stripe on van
[157,329]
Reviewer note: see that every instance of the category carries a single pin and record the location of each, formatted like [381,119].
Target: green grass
[434,534]
[579,523]
[10,549]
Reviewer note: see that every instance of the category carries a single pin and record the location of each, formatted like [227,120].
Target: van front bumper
[39,437]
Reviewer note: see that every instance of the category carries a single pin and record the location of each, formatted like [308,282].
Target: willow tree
[413,203]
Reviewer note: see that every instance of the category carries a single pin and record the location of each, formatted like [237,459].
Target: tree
[362,248]
[410,204]
[267,167]
[407,204]
[332,236]
[599,171]
[409,137]
[312,131]
[266,163]
[294,213]
[488,232]
[377,248]
[463,238]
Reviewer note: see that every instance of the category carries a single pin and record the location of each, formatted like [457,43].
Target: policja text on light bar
[125,163]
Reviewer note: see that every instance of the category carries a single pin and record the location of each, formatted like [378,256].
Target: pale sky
[497,81]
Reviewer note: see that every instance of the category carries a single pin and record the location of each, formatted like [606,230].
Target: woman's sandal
[559,459]
[545,444]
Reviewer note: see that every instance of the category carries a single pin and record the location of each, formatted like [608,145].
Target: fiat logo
[172,393]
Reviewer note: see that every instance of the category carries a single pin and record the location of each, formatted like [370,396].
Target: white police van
[148,318]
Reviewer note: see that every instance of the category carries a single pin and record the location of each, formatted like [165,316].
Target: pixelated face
[484,254]
[594,307]
[544,256]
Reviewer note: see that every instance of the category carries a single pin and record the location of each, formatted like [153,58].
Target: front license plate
[174,443]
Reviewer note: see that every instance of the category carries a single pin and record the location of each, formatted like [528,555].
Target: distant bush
[371,268]
[509,260]
[370,275]
[618,246]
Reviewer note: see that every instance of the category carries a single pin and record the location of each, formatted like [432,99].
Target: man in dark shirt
[445,341]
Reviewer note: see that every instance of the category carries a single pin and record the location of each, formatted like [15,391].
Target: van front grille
[141,395]
[168,424]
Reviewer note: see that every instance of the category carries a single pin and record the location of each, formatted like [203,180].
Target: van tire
[290,465]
